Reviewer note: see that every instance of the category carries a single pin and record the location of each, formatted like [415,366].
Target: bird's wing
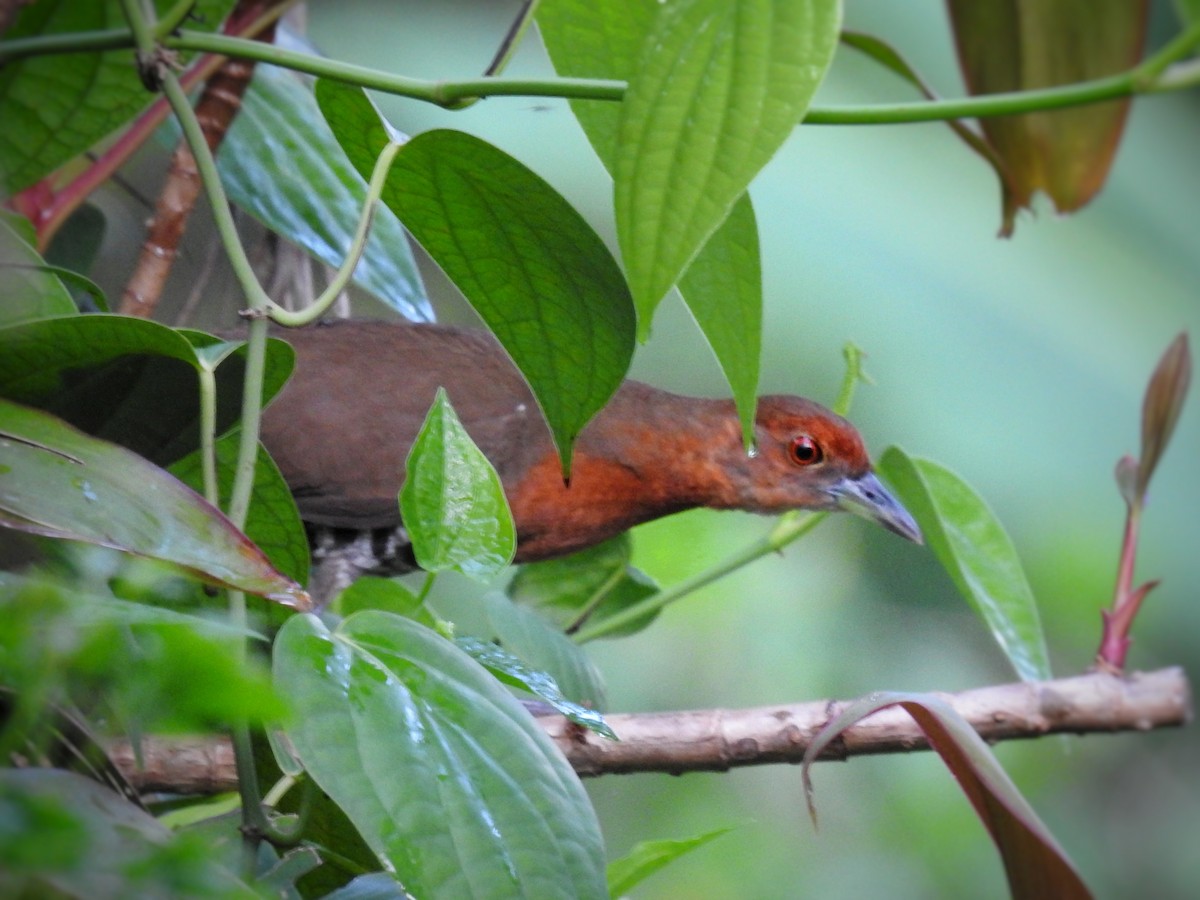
[342,428]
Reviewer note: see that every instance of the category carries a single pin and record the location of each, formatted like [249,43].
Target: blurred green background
[1018,363]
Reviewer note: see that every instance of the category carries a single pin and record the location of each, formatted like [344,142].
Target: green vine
[1164,71]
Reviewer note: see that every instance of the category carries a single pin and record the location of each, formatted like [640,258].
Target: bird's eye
[805,451]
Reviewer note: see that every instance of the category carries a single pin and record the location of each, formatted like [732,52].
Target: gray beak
[867,497]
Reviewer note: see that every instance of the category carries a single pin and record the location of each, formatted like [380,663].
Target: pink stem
[1114,644]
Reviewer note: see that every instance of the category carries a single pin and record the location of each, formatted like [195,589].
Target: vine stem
[1163,71]
[790,527]
[1158,73]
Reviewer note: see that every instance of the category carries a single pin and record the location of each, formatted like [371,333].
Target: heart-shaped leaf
[440,769]
[588,586]
[718,87]
[452,501]
[723,285]
[555,297]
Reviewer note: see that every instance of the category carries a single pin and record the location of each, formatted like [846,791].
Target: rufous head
[808,457]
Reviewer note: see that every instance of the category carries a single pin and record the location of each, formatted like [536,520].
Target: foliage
[411,735]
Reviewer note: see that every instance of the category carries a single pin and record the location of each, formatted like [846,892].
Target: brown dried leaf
[1014,45]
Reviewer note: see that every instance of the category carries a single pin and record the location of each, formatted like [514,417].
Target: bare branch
[715,740]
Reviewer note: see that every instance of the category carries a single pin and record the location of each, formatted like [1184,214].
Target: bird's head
[810,458]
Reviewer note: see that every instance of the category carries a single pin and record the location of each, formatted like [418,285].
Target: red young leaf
[1013,45]
[1160,410]
[1034,863]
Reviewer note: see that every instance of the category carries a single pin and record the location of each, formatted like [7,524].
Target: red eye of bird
[805,451]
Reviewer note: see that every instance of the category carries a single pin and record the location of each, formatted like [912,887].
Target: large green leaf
[443,772]
[56,106]
[723,285]
[1014,45]
[596,40]
[1033,861]
[452,501]
[553,295]
[127,380]
[316,198]
[718,87]
[59,482]
[723,289]
[976,552]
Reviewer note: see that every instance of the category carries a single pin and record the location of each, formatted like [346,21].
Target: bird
[341,428]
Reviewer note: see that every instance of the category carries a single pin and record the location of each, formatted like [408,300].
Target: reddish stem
[48,208]
[1115,641]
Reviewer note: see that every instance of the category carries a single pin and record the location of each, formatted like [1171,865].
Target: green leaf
[1035,864]
[718,88]
[723,289]
[554,296]
[316,199]
[385,595]
[596,40]
[723,285]
[56,106]
[127,380]
[1016,45]
[976,552]
[511,670]
[273,522]
[587,586]
[67,836]
[59,482]
[649,856]
[540,646]
[443,773]
[31,290]
[452,501]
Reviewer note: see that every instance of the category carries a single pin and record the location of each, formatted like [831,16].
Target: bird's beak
[867,497]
